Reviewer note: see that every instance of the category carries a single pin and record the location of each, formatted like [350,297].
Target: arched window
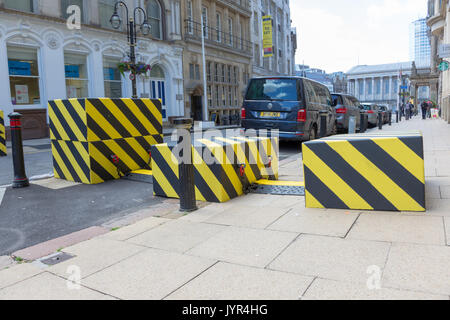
[154,13]
[157,72]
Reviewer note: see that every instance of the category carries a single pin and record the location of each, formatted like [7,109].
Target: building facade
[379,84]
[228,52]
[45,58]
[284,38]
[419,43]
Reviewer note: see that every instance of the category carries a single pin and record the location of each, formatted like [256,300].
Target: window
[67,3]
[224,67]
[209,96]
[208,71]
[197,72]
[219,27]
[229,74]
[361,87]
[217,96]
[273,89]
[190,25]
[191,71]
[77,83]
[105,11]
[230,96]
[23,75]
[216,72]
[112,78]
[205,21]
[369,87]
[24,5]
[154,18]
[230,31]
[224,94]
[378,86]
[386,86]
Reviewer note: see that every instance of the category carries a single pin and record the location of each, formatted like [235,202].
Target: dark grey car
[346,106]
[372,113]
[290,105]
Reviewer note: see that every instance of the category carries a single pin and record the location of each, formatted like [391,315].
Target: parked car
[372,113]
[288,104]
[385,109]
[346,106]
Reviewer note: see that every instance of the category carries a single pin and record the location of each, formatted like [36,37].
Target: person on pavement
[424,107]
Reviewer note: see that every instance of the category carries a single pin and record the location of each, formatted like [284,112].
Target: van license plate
[270,114]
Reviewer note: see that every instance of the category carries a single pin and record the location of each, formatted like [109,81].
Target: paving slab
[244,246]
[55,184]
[249,217]
[445,192]
[447,229]
[226,281]
[135,229]
[17,273]
[438,207]
[205,213]
[95,255]
[399,228]
[46,286]
[151,274]
[320,222]
[5,261]
[177,235]
[323,289]
[422,268]
[332,258]
[265,200]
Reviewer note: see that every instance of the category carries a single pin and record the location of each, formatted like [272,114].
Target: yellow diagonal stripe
[153,109]
[57,125]
[403,155]
[118,114]
[103,161]
[101,121]
[140,116]
[312,202]
[163,182]
[339,187]
[61,163]
[73,161]
[388,188]
[70,121]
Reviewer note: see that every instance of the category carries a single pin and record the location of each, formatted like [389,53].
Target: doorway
[196,108]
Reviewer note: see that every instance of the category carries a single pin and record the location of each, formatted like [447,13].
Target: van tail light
[370,111]
[301,115]
[243,114]
[341,110]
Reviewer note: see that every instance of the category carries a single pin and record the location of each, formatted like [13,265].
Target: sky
[335,35]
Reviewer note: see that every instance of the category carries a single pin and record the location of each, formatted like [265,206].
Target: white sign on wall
[22,94]
[444,51]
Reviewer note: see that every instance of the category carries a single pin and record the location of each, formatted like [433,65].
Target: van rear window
[272,89]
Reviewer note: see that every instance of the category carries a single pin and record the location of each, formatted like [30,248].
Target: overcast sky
[332,34]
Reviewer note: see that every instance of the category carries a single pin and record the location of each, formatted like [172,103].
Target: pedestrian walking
[429,109]
[424,107]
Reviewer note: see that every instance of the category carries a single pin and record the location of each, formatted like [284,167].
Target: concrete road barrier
[95,140]
[383,172]
[3,152]
[223,167]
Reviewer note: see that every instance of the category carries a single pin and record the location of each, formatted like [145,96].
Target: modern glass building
[420,47]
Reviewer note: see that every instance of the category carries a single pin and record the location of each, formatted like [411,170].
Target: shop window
[77,82]
[112,78]
[23,76]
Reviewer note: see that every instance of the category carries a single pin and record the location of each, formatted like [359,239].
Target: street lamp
[116,23]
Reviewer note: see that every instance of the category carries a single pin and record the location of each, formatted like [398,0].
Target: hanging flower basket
[135,69]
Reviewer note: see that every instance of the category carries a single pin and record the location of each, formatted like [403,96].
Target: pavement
[259,247]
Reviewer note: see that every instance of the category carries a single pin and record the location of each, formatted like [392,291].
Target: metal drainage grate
[280,190]
[57,258]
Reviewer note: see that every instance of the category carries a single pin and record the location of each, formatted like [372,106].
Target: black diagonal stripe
[76,117]
[415,144]
[321,192]
[79,159]
[165,169]
[107,152]
[54,131]
[96,129]
[144,143]
[131,117]
[158,190]
[132,154]
[394,170]
[253,164]
[158,138]
[98,169]
[62,120]
[2,141]
[109,116]
[353,178]
[66,160]
[204,188]
[149,115]
[58,169]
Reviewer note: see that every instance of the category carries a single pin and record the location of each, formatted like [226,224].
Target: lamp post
[116,22]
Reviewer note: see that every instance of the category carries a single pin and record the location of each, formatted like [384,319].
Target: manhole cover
[57,258]
[280,190]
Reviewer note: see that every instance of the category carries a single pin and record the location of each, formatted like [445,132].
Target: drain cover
[57,258]
[280,190]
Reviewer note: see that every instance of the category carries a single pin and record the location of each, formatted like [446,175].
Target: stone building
[228,51]
[44,59]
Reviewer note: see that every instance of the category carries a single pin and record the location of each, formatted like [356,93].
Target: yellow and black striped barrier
[3,152]
[383,172]
[223,168]
[95,140]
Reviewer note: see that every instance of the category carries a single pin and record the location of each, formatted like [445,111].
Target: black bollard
[20,177]
[362,124]
[187,182]
[323,123]
[396,116]
[390,118]
[380,120]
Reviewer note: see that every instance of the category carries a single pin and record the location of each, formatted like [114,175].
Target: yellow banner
[267,36]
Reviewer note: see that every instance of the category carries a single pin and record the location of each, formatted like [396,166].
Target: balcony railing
[238,4]
[218,38]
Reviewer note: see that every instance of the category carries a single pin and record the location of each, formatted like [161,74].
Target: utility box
[95,140]
[374,171]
